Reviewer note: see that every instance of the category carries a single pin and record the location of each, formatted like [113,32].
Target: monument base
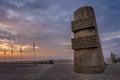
[88,61]
[90,70]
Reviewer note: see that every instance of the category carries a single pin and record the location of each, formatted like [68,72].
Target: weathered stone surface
[88,57]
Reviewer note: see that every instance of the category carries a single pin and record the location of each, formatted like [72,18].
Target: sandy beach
[22,72]
[65,72]
[61,71]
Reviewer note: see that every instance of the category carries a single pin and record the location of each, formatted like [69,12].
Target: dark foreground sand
[22,72]
[54,72]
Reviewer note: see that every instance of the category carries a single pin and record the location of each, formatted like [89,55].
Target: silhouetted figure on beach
[47,62]
[51,62]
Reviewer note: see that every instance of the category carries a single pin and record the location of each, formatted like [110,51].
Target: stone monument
[88,57]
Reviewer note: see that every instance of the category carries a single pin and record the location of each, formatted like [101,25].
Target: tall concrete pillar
[88,57]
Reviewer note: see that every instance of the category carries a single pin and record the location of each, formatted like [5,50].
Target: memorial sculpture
[88,57]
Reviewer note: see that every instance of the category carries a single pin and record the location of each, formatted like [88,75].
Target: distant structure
[88,57]
[5,55]
[113,58]
[21,52]
[34,50]
[118,59]
[12,51]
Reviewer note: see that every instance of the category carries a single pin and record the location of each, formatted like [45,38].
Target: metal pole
[12,55]
[34,50]
[21,52]
[34,55]
[21,56]
[5,55]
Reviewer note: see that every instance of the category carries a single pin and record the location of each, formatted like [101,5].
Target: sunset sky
[48,24]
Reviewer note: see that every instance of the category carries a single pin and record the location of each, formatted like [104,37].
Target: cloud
[12,14]
[110,35]
[111,43]
[8,28]
[48,23]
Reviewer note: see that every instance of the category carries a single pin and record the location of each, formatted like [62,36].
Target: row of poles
[21,50]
